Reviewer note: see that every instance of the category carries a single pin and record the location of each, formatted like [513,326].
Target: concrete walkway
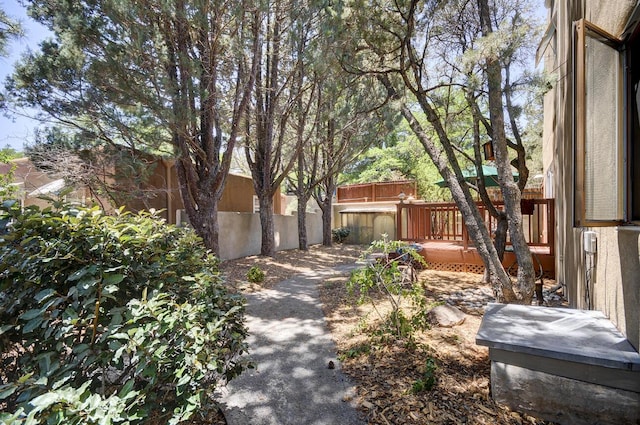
[292,347]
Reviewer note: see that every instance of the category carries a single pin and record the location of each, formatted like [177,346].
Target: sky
[17,130]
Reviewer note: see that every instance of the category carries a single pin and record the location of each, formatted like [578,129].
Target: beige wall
[240,233]
[615,279]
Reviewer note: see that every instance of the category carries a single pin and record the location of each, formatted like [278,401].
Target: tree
[345,122]
[350,120]
[422,64]
[9,29]
[171,78]
[271,147]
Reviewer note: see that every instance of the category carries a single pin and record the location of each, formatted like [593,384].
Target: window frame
[585,30]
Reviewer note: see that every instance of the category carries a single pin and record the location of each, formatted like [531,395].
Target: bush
[110,319]
[255,275]
[383,277]
[340,234]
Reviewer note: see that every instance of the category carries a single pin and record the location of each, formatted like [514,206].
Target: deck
[440,230]
[454,257]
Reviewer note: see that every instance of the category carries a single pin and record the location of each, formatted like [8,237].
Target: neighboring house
[240,230]
[581,365]
[161,190]
[163,193]
[592,154]
[34,183]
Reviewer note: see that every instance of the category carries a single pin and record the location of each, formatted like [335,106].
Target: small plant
[255,275]
[340,234]
[428,379]
[356,351]
[385,276]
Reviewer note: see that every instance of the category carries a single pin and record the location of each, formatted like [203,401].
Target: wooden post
[399,234]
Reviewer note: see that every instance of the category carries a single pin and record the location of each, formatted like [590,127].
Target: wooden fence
[376,192]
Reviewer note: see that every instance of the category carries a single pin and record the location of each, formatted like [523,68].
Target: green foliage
[340,234]
[428,379]
[8,153]
[255,275]
[7,190]
[400,157]
[385,276]
[109,319]
[356,351]
[9,29]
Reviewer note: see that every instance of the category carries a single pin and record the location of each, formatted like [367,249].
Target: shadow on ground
[292,347]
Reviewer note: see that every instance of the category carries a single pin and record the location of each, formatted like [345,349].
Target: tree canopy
[302,87]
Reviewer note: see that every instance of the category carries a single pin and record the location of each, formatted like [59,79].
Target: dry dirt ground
[387,373]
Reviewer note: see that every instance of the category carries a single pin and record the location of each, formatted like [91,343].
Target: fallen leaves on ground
[385,374]
[286,264]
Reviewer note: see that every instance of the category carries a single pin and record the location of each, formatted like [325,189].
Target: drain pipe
[590,247]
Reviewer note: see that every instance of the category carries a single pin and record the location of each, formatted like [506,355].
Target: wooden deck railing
[432,222]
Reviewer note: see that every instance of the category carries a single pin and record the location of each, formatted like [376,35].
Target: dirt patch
[392,377]
[286,264]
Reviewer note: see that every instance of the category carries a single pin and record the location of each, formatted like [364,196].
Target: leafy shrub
[110,319]
[340,234]
[255,275]
[383,276]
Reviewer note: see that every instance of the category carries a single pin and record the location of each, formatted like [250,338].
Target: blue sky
[17,130]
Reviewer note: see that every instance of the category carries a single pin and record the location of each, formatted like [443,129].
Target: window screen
[599,154]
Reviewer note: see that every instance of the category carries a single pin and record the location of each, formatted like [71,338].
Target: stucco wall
[240,233]
[614,280]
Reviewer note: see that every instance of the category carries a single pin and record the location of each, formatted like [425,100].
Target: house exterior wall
[613,282]
[29,178]
[237,195]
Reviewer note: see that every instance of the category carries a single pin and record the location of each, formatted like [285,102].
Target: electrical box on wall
[589,242]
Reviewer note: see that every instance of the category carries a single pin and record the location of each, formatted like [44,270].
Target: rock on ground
[446,316]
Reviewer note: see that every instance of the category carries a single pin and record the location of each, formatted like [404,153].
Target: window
[607,85]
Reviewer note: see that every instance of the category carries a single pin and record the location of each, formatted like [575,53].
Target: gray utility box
[564,365]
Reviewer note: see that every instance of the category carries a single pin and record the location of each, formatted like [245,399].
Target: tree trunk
[500,238]
[202,212]
[510,190]
[474,221]
[303,243]
[268,247]
[499,241]
[325,206]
